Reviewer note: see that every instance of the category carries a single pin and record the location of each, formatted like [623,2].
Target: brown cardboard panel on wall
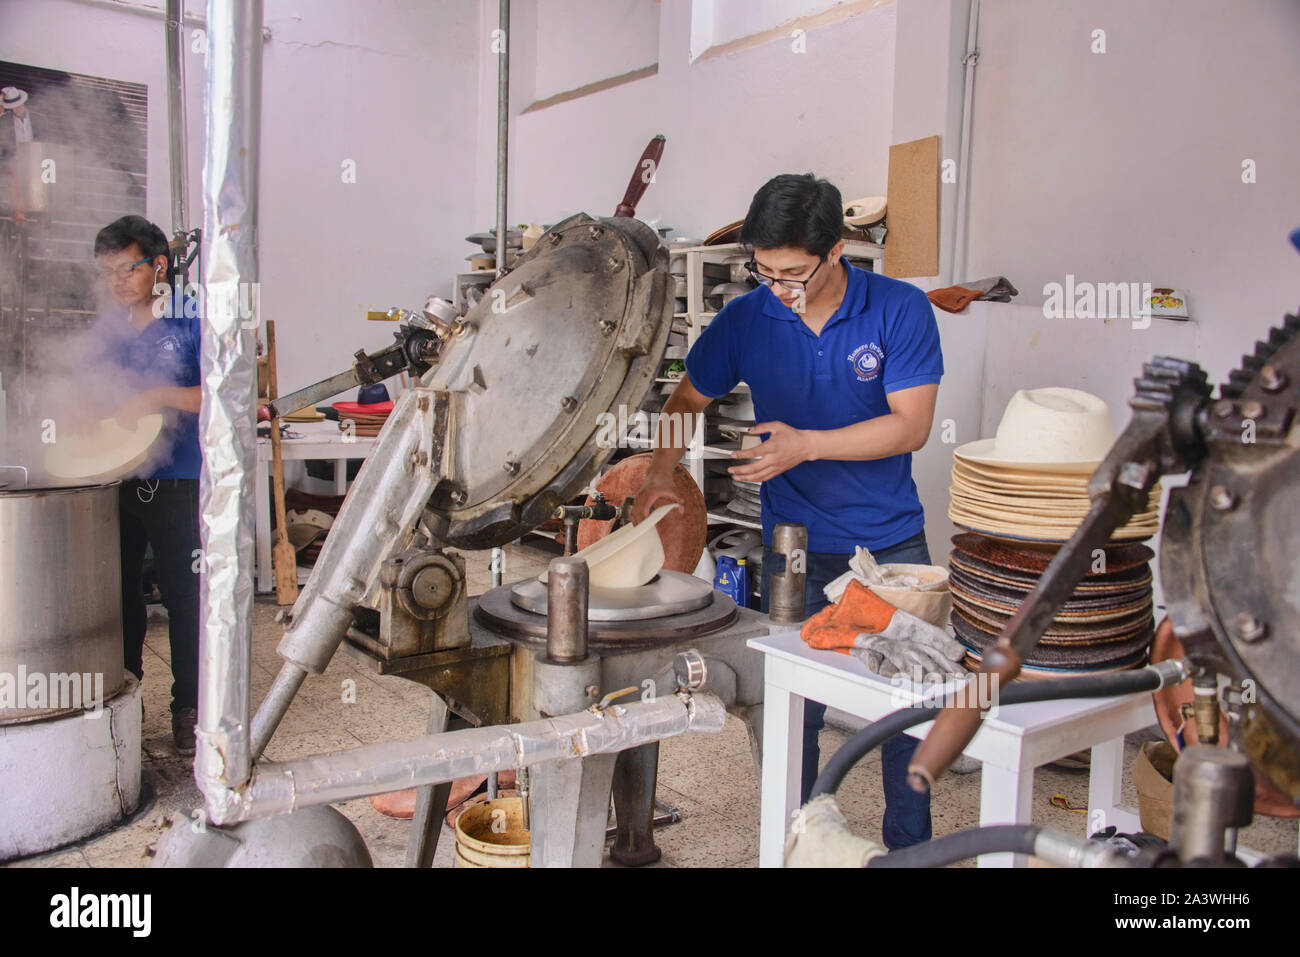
[912,246]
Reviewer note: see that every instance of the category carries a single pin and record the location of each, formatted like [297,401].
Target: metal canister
[787,598]
[60,600]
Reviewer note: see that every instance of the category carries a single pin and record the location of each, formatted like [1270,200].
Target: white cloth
[864,568]
[820,837]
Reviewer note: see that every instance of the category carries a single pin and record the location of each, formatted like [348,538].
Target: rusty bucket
[492,834]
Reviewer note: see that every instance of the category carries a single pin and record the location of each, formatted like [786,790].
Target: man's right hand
[657,489]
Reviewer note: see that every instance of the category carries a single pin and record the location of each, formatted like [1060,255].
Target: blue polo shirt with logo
[164,353]
[883,338]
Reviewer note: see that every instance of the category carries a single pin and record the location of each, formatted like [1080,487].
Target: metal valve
[690,670]
[441,316]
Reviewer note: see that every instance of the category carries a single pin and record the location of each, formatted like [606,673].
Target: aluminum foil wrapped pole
[393,765]
[376,521]
[229,382]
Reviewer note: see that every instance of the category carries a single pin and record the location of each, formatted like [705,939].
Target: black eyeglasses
[795,285]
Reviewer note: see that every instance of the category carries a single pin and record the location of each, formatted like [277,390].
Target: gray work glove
[911,647]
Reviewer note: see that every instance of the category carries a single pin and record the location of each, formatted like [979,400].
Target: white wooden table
[1011,743]
[320,440]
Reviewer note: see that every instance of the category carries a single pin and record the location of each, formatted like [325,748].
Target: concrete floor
[710,778]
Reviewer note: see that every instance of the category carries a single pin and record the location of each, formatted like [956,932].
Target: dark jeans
[907,814]
[163,513]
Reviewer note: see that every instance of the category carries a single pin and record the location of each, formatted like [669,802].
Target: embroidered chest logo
[867,361]
[169,344]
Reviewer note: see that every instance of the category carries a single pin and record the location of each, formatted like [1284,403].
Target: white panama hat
[11,96]
[105,452]
[628,556]
[1054,429]
[866,211]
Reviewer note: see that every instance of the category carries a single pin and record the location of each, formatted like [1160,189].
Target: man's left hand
[785,448]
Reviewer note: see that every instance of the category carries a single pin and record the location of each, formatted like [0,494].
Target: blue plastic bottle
[741,597]
[724,578]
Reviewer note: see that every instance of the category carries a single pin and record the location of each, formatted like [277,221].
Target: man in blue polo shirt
[843,366]
[149,345]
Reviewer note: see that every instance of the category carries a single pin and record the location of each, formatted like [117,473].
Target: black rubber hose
[951,848]
[1020,692]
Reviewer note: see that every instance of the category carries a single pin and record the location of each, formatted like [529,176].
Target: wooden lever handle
[645,170]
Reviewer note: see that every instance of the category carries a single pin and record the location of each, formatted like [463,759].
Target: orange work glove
[836,626]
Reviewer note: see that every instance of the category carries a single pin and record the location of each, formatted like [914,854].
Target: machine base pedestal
[67,778]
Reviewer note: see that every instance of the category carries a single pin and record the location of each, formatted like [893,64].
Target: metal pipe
[176,126]
[377,519]
[274,706]
[567,595]
[787,600]
[503,142]
[961,244]
[394,765]
[1214,792]
[229,384]
[1205,707]
[503,129]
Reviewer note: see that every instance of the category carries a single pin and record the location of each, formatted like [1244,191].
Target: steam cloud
[58,383]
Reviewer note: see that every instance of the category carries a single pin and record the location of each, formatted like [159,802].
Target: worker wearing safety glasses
[843,366]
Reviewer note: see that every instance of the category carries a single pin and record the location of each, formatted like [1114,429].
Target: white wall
[1122,166]
[731,123]
[566,57]
[928,82]
[715,22]
[394,89]
[1126,166]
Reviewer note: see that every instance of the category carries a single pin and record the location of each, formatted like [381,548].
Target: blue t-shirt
[164,353]
[883,338]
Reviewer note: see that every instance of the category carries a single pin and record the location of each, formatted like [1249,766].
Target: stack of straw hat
[1030,482]
[1019,496]
[366,418]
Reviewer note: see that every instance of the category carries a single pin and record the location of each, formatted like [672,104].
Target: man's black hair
[121,233]
[793,210]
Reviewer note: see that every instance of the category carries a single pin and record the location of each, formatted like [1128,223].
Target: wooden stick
[284,556]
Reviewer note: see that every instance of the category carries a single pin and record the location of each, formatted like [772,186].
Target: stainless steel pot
[60,599]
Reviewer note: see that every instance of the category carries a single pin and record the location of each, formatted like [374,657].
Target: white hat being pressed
[627,557]
[1050,429]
